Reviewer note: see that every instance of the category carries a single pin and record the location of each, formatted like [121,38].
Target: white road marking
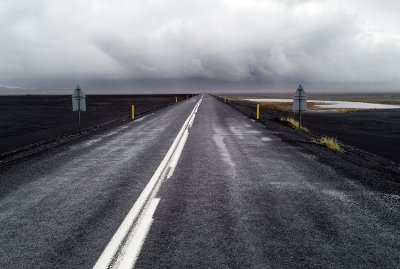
[124,247]
[177,154]
[111,133]
[266,139]
[92,141]
[191,121]
[142,118]
[137,238]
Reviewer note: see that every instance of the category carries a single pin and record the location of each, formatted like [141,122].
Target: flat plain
[31,119]
[374,130]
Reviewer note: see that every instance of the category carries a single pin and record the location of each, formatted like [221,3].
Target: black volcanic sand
[375,131]
[32,118]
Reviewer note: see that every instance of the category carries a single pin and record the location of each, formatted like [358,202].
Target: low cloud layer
[322,42]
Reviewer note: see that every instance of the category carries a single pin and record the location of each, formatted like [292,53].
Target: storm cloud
[322,42]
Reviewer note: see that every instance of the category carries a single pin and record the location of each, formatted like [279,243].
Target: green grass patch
[294,124]
[330,143]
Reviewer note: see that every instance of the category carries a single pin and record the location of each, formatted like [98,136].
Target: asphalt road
[239,197]
[60,209]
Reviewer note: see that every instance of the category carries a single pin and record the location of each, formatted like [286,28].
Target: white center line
[142,118]
[124,247]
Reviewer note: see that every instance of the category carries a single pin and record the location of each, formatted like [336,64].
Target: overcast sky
[248,43]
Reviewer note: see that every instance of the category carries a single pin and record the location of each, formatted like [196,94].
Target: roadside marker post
[225,99]
[300,102]
[78,103]
[258,112]
[176,99]
[133,112]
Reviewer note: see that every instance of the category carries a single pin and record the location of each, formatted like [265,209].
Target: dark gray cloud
[266,43]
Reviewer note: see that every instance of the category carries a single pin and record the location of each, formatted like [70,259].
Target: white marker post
[300,102]
[78,103]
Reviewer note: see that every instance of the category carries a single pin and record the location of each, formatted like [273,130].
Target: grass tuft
[330,142]
[294,124]
[286,106]
[350,110]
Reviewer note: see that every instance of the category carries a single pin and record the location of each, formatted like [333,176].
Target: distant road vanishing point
[196,184]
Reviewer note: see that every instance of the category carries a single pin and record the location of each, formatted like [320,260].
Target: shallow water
[333,104]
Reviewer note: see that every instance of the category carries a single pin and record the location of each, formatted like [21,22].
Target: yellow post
[176,99]
[258,112]
[225,99]
[133,112]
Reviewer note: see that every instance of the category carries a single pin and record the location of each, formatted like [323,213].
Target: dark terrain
[244,194]
[375,131]
[32,118]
